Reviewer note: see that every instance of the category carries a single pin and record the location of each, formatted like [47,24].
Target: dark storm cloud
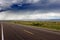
[15,5]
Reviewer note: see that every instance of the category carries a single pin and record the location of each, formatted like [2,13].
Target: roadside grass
[43,24]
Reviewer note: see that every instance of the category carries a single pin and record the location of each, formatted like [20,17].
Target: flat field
[43,24]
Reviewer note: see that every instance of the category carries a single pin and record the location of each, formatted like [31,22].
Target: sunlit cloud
[33,16]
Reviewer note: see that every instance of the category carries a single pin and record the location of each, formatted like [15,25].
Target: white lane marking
[29,32]
[2,31]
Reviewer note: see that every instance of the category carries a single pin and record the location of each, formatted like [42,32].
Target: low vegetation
[43,24]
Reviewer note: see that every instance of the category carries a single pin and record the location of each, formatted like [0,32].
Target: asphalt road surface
[18,32]
[0,31]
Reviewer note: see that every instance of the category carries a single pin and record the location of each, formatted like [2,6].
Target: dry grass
[44,24]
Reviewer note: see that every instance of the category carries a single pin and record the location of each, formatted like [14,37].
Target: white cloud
[35,1]
[26,15]
[8,3]
[35,15]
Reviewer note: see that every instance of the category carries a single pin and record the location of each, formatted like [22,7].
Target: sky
[29,9]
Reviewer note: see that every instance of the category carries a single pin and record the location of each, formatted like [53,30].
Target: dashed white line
[29,32]
[2,31]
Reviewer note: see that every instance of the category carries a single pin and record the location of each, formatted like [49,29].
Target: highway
[10,31]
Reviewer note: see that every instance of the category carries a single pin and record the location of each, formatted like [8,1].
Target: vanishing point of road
[10,31]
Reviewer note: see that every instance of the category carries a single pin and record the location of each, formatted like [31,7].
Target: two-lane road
[19,32]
